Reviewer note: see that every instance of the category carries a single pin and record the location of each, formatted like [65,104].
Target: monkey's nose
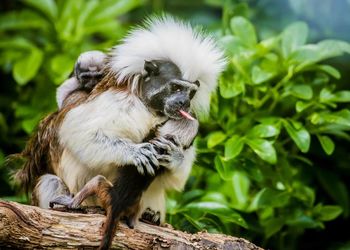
[183,103]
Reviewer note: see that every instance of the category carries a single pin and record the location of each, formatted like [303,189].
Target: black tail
[109,229]
[110,226]
[124,199]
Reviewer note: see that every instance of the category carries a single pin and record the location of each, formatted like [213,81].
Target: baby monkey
[88,71]
[165,94]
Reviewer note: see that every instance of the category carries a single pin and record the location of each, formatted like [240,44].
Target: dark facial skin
[87,78]
[163,90]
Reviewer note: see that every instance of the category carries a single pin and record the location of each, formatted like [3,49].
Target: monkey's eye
[176,88]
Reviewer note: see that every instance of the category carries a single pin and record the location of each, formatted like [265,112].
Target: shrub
[276,115]
[254,175]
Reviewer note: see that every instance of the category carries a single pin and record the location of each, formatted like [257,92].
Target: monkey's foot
[64,200]
[151,217]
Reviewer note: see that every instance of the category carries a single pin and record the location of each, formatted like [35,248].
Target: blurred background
[273,162]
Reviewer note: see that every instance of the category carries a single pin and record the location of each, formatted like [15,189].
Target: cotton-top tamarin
[107,128]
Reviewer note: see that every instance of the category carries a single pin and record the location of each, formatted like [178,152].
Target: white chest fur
[116,114]
[111,116]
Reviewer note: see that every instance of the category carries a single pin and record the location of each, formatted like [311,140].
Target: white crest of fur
[165,38]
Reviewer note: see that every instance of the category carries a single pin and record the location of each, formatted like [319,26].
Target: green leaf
[241,184]
[303,193]
[109,9]
[327,213]
[215,138]
[25,19]
[260,75]
[326,143]
[61,65]
[302,91]
[301,106]
[28,125]
[264,131]
[304,221]
[268,197]
[214,196]
[48,7]
[242,28]
[232,44]
[218,209]
[326,95]
[330,70]
[263,148]
[340,118]
[26,68]
[313,53]
[233,147]
[231,87]
[300,136]
[222,168]
[341,96]
[293,37]
[17,43]
[272,226]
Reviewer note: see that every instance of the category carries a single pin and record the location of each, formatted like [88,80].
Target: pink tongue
[186,115]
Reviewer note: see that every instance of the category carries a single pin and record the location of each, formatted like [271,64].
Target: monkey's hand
[170,153]
[144,158]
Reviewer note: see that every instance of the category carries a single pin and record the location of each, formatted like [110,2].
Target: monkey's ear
[151,68]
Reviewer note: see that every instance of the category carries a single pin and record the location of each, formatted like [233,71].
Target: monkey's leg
[132,214]
[98,185]
[48,188]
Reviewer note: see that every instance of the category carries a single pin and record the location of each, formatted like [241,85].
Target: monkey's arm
[65,89]
[89,139]
[100,150]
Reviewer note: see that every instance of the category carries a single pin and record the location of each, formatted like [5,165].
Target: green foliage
[41,41]
[277,119]
[274,99]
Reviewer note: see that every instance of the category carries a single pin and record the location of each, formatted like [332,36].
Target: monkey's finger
[164,159]
[170,143]
[148,168]
[147,165]
[174,139]
[153,160]
[161,145]
[139,166]
[148,148]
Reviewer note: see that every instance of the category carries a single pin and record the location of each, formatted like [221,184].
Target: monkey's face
[164,92]
[88,68]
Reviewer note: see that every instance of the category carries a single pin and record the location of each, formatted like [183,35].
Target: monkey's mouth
[178,113]
[186,115]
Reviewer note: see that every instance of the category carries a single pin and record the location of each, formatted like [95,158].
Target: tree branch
[23,226]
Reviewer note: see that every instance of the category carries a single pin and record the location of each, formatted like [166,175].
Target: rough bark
[28,227]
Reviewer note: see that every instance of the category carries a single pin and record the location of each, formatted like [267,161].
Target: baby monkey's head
[163,90]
